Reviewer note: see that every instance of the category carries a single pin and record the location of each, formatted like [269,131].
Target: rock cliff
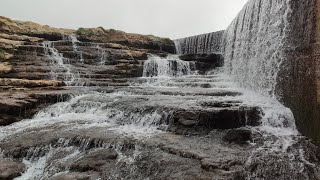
[37,57]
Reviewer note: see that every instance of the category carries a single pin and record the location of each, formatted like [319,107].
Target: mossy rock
[2,51]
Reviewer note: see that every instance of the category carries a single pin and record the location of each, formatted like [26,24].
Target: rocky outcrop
[89,56]
[149,42]
[15,106]
[32,31]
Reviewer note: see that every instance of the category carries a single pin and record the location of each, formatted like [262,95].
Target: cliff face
[299,78]
[23,54]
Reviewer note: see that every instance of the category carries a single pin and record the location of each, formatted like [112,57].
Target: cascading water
[102,55]
[254,48]
[201,44]
[67,59]
[149,130]
[59,64]
[254,44]
[73,39]
[170,66]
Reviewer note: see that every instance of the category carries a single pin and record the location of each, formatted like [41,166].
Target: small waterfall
[201,44]
[68,64]
[59,64]
[73,39]
[102,55]
[170,66]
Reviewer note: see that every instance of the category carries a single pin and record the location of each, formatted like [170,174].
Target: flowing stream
[170,123]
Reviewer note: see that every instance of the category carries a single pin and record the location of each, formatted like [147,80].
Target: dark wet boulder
[238,136]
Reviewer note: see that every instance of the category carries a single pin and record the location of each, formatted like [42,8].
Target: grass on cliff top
[81,31]
[90,30]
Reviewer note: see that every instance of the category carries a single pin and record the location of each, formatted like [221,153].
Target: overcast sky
[166,18]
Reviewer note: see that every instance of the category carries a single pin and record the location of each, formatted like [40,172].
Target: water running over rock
[150,131]
[201,44]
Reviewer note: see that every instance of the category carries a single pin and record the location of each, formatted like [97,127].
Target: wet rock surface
[143,132]
[239,136]
[10,169]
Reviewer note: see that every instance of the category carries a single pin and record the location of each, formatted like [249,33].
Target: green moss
[81,31]
[2,51]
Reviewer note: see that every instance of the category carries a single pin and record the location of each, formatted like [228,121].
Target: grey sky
[166,18]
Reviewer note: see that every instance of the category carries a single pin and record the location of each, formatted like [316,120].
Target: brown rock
[5,67]
[28,83]
[10,169]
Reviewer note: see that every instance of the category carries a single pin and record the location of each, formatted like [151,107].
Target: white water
[102,55]
[170,66]
[254,45]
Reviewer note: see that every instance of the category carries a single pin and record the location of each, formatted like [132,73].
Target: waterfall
[254,44]
[201,44]
[170,66]
[73,39]
[65,64]
[59,64]
[102,55]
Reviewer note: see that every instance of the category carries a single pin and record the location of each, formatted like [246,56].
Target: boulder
[10,169]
